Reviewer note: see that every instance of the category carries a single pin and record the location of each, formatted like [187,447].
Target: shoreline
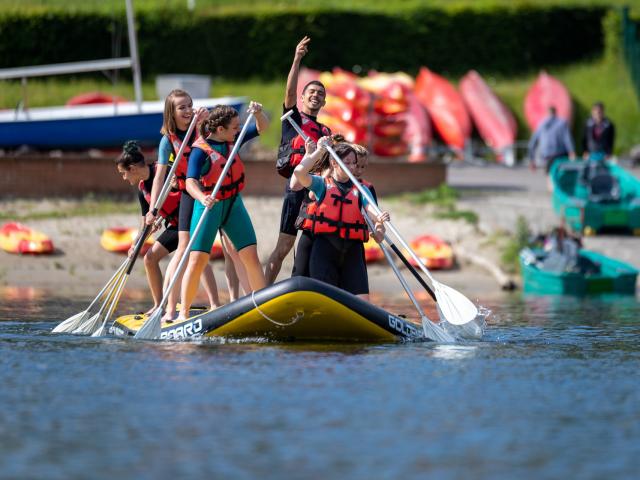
[497,195]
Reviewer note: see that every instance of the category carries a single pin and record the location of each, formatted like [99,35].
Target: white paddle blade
[435,332]
[454,307]
[71,323]
[100,332]
[150,330]
[90,326]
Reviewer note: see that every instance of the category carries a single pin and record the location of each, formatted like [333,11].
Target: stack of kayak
[594,274]
[18,238]
[392,114]
[595,195]
[299,308]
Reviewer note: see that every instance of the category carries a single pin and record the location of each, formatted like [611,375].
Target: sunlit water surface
[551,392]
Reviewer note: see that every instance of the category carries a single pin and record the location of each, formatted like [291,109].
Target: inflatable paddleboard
[297,309]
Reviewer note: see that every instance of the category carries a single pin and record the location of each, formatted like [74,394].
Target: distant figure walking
[551,141]
[599,133]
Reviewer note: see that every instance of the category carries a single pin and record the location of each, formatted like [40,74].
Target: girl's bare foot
[151,310]
[169,317]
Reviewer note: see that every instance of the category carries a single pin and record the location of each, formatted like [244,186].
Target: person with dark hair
[209,157]
[291,151]
[133,168]
[599,133]
[551,141]
[336,220]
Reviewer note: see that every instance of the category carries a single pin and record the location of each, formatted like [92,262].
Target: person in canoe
[563,254]
[291,151]
[132,166]
[178,113]
[336,221]
[227,211]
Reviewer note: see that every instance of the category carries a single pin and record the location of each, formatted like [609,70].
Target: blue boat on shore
[91,126]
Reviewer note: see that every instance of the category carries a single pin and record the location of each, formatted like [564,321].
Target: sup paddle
[73,323]
[452,305]
[430,329]
[152,326]
[96,325]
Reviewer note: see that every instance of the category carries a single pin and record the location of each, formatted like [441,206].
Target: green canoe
[613,276]
[595,195]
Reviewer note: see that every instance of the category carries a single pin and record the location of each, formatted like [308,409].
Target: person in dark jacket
[599,133]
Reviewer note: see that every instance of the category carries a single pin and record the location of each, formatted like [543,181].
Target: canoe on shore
[296,309]
[545,92]
[445,107]
[495,122]
[612,276]
[593,196]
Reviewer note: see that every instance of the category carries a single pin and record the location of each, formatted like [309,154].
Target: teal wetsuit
[229,215]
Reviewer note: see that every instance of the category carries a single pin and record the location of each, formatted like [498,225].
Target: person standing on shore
[551,141]
[599,133]
[291,151]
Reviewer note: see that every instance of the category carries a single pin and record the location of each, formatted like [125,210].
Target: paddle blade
[435,332]
[150,330]
[100,332]
[90,326]
[453,306]
[71,323]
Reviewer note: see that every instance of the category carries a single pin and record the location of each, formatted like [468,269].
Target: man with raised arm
[291,151]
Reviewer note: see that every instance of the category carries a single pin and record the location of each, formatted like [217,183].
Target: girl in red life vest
[133,168]
[336,221]
[178,112]
[227,212]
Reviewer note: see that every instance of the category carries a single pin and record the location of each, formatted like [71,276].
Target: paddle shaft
[203,217]
[366,195]
[410,268]
[399,275]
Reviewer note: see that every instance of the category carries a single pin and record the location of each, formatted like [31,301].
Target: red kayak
[445,106]
[495,123]
[91,98]
[545,92]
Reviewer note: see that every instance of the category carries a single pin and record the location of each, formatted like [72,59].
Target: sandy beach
[80,266]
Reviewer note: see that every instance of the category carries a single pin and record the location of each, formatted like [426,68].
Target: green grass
[89,206]
[206,6]
[515,243]
[598,79]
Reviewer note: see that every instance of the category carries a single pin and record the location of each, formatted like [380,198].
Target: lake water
[551,392]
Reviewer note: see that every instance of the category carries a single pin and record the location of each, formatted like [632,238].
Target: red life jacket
[181,170]
[290,153]
[337,214]
[234,181]
[170,207]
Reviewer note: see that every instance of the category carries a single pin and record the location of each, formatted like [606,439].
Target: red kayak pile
[391,114]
